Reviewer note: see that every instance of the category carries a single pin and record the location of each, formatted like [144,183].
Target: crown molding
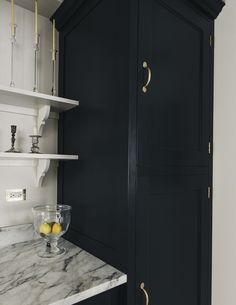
[211,8]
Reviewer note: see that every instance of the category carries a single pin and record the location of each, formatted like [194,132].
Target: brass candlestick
[54,73]
[36,51]
[54,57]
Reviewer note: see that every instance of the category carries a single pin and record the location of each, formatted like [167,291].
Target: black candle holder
[35,144]
[13,140]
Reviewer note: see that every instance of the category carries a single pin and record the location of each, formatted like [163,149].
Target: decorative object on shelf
[13,139]
[36,49]
[35,142]
[51,222]
[54,57]
[13,42]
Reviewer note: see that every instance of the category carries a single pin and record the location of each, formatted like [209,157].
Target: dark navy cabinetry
[141,191]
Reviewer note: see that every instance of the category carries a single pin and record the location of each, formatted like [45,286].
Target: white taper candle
[36,22]
[12,19]
[53,40]
[35,131]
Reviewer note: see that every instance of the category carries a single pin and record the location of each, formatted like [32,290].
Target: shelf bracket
[43,115]
[41,170]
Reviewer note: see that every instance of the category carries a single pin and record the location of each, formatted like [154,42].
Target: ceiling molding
[66,11]
[46,8]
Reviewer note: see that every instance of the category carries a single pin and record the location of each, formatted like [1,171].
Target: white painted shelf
[42,161]
[30,99]
[29,156]
[42,103]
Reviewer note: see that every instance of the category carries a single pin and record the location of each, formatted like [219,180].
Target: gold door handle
[145,66]
[142,285]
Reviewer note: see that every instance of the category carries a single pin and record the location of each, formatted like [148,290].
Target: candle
[35,131]
[12,18]
[36,22]
[53,40]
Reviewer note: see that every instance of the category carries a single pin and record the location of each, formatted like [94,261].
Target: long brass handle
[145,66]
[142,285]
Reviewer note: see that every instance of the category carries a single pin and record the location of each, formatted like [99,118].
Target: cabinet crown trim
[211,8]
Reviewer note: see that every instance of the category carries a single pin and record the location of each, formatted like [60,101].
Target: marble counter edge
[81,296]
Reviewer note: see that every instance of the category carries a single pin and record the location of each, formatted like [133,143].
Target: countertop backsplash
[16,234]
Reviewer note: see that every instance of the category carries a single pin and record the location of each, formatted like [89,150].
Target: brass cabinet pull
[145,66]
[142,285]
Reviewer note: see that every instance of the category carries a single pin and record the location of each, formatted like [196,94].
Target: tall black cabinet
[141,192]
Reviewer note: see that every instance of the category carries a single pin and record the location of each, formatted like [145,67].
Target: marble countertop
[16,234]
[27,279]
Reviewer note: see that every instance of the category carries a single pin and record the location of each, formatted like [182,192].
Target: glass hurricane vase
[51,222]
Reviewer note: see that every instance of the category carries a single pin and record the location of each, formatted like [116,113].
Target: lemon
[56,228]
[45,228]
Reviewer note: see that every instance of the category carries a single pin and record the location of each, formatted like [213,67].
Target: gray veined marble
[16,234]
[26,279]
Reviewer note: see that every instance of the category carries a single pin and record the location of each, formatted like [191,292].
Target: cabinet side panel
[95,69]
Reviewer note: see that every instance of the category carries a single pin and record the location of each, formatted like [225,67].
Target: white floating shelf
[44,103]
[42,161]
[26,98]
[29,156]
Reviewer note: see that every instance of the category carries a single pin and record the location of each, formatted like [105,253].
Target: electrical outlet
[16,195]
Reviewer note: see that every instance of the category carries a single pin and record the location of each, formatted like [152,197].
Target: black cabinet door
[173,211]
[173,239]
[174,114]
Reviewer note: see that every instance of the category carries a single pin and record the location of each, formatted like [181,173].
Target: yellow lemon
[56,228]
[45,228]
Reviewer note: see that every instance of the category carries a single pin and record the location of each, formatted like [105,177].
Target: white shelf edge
[29,156]
[42,103]
[38,95]
[42,162]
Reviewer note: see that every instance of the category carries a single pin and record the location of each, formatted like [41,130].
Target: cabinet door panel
[173,240]
[174,116]
[95,49]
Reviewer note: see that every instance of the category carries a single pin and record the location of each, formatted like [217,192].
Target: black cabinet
[116,296]
[94,69]
[173,239]
[174,134]
[174,114]
[141,192]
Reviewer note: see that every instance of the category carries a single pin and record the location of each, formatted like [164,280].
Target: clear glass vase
[51,222]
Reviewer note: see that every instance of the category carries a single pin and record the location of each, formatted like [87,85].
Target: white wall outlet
[16,195]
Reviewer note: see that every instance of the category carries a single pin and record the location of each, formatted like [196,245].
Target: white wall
[224,203]
[17,176]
